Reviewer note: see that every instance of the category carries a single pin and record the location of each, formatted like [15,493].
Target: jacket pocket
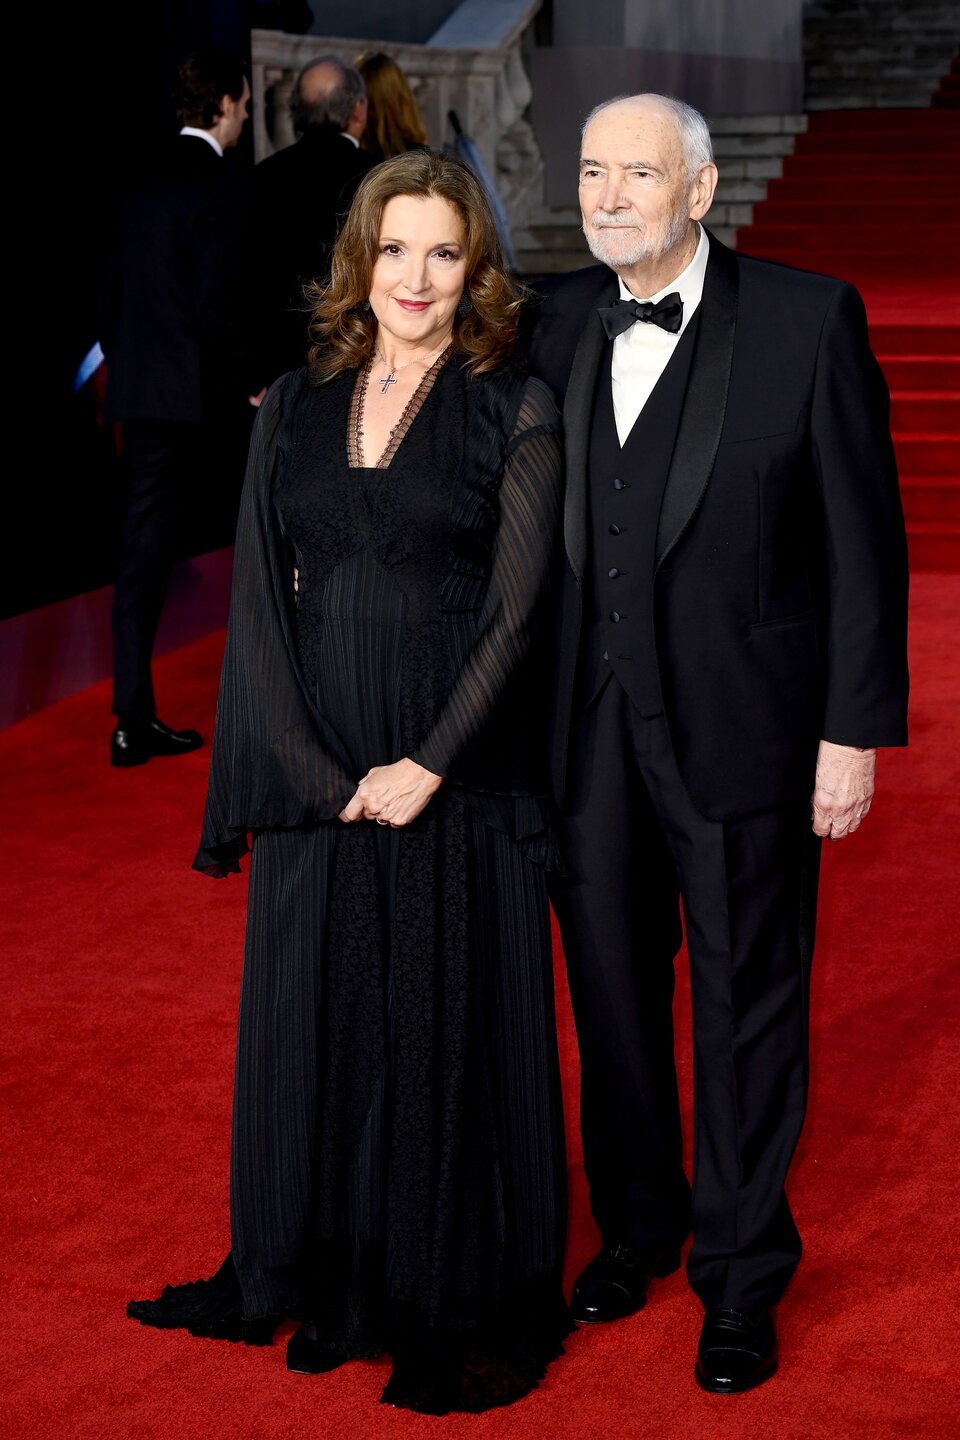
[805,617]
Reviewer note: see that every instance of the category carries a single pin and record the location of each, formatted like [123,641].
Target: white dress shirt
[640,354]
[203,135]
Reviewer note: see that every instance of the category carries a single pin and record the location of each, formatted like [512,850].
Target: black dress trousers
[633,843]
[160,461]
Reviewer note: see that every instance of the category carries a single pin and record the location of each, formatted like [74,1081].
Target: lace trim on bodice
[410,412]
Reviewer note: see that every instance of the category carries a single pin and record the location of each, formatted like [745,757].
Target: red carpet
[871,195]
[120,988]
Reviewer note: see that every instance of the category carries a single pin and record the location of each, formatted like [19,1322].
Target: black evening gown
[397,1176]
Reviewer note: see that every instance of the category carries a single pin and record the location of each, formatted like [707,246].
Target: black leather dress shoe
[307,1355]
[615,1282]
[738,1350]
[135,744]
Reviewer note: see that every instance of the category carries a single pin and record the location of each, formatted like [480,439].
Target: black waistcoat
[626,490]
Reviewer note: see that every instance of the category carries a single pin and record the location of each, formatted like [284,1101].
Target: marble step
[829,99]
[890,122]
[749,147]
[904,30]
[877,72]
[756,124]
[882,11]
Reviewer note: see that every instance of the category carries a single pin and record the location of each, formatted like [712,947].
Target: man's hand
[393,794]
[844,789]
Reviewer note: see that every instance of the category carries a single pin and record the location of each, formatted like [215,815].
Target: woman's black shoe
[615,1282]
[738,1350]
[307,1355]
[211,1309]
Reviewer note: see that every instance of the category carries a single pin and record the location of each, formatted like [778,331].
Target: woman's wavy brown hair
[343,328]
[393,120]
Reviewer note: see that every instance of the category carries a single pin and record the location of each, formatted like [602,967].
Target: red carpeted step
[862,270]
[907,341]
[880,163]
[853,213]
[938,240]
[918,410]
[864,142]
[934,545]
[843,122]
[931,498]
[922,372]
[823,187]
[928,454]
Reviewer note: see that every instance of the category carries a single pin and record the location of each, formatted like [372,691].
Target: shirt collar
[352,138]
[689,282]
[202,135]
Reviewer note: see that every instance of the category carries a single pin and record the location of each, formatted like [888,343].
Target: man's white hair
[694,130]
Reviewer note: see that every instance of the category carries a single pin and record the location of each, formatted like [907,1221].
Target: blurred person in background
[172,328]
[393,120]
[301,195]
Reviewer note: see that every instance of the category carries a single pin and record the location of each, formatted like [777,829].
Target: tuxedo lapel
[701,420]
[577,410]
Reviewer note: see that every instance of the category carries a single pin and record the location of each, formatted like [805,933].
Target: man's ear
[702,191]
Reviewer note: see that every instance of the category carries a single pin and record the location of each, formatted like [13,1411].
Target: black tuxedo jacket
[174,312]
[780,577]
[300,196]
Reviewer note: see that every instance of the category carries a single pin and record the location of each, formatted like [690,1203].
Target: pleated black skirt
[398,1172]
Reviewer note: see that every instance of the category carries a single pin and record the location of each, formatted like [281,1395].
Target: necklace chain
[392,370]
[361,402]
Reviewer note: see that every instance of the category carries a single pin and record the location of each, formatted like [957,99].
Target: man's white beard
[622,248]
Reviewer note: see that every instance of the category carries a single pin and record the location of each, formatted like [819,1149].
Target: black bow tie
[667,313]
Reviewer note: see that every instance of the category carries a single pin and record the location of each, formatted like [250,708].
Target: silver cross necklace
[391,376]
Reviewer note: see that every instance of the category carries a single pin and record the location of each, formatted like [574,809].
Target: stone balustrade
[473,65]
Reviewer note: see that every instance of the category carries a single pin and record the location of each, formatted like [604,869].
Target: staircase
[871,194]
[876,53]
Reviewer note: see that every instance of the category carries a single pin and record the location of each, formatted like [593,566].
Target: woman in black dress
[397,1176]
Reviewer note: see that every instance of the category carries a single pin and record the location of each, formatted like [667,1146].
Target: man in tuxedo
[174,319]
[300,195]
[731,643]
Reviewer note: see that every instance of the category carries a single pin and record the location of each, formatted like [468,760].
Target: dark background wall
[412,21]
[102,102]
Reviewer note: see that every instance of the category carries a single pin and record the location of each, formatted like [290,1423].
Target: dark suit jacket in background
[300,196]
[780,580]
[175,314]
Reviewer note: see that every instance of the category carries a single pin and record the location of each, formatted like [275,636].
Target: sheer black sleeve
[273,762]
[511,617]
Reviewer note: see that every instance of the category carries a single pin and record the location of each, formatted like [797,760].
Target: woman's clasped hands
[392,794]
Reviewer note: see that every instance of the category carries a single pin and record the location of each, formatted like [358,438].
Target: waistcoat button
[619,484]
[614,529]
[613,573]
[615,616]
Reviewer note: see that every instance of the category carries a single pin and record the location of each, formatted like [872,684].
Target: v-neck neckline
[408,416]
